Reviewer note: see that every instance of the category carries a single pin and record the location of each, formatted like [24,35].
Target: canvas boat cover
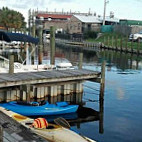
[9,37]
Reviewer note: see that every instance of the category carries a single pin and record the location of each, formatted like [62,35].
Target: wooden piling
[33,30]
[28,93]
[21,93]
[52,45]
[1,134]
[138,45]
[112,41]
[102,86]
[121,43]
[116,42]
[40,56]
[131,45]
[11,64]
[126,43]
[80,60]
[108,40]
[101,97]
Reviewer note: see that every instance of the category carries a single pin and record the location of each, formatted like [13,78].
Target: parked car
[136,37]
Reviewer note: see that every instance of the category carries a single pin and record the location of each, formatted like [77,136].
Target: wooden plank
[46,77]
[14,131]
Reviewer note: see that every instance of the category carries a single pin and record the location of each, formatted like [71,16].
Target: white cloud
[128,9]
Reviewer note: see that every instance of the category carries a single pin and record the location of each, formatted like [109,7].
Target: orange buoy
[40,123]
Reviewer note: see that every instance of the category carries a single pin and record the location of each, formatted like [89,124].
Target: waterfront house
[59,21]
[82,23]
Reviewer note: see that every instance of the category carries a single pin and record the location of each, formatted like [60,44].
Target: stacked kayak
[54,133]
[38,110]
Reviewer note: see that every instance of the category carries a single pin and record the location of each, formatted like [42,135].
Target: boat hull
[47,109]
[56,134]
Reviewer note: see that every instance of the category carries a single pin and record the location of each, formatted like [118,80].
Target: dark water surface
[122,120]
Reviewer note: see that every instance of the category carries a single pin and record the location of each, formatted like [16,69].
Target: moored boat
[35,109]
[54,133]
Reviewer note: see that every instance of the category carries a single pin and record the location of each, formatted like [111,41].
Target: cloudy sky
[124,9]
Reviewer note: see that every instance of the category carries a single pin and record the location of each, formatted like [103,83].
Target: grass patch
[115,39]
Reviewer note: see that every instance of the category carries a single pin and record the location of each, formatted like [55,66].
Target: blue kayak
[45,109]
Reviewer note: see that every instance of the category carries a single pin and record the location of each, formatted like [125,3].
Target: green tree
[11,19]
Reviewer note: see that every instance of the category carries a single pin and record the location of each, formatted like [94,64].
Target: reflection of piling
[101,97]
[1,134]
[52,45]
[101,121]
[11,64]
[80,60]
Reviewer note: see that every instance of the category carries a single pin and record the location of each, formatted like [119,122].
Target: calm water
[122,117]
[122,120]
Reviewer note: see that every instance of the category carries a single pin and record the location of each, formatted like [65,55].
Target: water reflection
[122,100]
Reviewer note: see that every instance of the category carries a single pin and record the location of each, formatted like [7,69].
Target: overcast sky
[124,9]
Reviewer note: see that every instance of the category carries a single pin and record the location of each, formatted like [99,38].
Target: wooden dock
[54,76]
[12,131]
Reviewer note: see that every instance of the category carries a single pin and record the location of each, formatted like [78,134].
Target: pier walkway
[12,131]
[54,76]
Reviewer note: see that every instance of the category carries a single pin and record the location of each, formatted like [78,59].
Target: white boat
[19,67]
[54,133]
[64,66]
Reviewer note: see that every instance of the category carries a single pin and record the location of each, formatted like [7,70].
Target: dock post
[103,74]
[40,46]
[101,97]
[1,134]
[121,43]
[126,44]
[52,45]
[115,42]
[138,46]
[112,41]
[80,60]
[11,64]
[28,92]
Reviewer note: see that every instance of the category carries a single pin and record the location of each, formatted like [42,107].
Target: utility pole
[105,2]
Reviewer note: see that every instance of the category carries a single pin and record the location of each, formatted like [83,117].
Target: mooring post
[108,41]
[21,93]
[101,97]
[102,85]
[131,45]
[104,41]
[115,42]
[1,134]
[138,45]
[52,45]
[40,46]
[11,64]
[28,91]
[126,43]
[121,43]
[112,41]
[80,60]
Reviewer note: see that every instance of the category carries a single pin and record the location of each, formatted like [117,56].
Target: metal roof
[109,19]
[7,36]
[54,16]
[88,18]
